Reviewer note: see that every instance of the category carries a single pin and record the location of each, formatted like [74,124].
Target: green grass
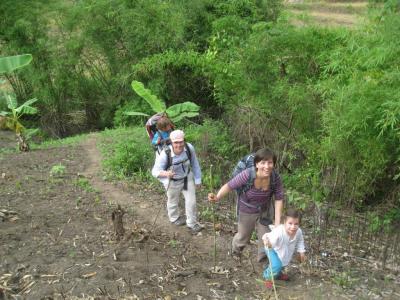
[54,143]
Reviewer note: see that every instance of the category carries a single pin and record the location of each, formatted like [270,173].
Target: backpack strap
[169,155]
[169,162]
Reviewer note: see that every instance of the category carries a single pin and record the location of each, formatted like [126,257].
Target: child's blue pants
[274,263]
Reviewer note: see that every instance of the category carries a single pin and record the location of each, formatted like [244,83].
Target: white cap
[177,136]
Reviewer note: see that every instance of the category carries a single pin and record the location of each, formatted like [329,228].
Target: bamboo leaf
[156,104]
[11,63]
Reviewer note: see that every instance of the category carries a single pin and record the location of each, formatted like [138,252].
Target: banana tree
[12,119]
[175,112]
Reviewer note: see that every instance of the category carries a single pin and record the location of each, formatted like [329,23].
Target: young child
[280,245]
[161,137]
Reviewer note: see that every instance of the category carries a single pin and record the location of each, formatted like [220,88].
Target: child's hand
[302,257]
[266,241]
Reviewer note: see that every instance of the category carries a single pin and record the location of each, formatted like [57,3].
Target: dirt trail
[145,211]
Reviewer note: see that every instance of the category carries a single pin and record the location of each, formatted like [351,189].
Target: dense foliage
[327,100]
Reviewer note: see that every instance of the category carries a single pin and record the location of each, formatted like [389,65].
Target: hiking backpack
[169,162]
[151,124]
[169,156]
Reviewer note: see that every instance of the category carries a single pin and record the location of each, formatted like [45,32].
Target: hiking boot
[262,258]
[180,221]
[268,284]
[284,277]
[237,256]
[196,228]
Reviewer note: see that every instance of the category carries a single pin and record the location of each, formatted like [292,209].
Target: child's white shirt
[283,245]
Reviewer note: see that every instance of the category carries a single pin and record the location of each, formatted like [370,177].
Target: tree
[175,112]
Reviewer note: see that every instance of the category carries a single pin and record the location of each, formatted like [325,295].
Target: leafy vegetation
[326,100]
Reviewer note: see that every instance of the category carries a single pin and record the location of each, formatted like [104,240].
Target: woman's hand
[212,197]
[302,257]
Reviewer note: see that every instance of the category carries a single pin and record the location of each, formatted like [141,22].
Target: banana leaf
[11,102]
[11,63]
[26,108]
[176,110]
[135,113]
[184,115]
[156,104]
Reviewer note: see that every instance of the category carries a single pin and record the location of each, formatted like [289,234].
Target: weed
[57,170]
[18,184]
[206,214]
[344,279]
[253,236]
[84,184]
[173,244]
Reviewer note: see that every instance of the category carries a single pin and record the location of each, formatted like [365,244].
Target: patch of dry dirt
[347,14]
[57,241]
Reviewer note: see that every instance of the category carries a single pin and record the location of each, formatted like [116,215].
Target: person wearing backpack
[256,187]
[179,171]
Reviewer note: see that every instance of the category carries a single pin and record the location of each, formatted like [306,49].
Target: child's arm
[300,246]
[266,241]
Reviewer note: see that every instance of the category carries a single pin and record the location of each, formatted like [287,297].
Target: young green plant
[213,219]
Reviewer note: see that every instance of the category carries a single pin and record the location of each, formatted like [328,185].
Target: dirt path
[151,212]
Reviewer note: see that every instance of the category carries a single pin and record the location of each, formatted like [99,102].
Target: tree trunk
[117,219]
[22,143]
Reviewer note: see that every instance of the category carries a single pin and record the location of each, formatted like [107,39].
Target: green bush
[127,153]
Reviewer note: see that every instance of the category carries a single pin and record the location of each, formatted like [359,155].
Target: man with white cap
[179,171]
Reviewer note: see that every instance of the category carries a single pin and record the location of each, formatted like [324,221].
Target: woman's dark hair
[264,154]
[293,213]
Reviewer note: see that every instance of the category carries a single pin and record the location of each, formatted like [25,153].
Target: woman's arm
[224,190]
[278,211]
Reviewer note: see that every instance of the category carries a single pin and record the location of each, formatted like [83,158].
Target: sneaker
[180,221]
[262,259]
[268,284]
[196,228]
[283,277]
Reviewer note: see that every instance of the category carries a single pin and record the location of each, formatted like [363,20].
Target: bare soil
[57,241]
[325,13]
